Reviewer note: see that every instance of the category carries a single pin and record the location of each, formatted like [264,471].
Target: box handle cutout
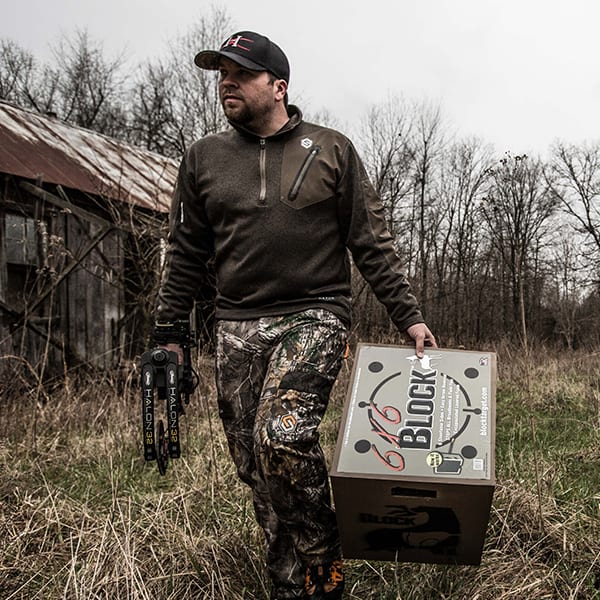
[413,492]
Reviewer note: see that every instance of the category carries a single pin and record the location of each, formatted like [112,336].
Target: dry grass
[83,517]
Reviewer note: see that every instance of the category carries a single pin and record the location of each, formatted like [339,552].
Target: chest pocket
[308,174]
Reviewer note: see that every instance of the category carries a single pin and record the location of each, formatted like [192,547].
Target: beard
[242,114]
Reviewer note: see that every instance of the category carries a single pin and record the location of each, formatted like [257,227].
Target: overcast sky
[519,74]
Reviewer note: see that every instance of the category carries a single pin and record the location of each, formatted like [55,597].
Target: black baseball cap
[251,50]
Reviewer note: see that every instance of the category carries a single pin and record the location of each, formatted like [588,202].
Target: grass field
[83,517]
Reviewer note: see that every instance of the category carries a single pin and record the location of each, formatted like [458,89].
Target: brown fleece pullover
[275,218]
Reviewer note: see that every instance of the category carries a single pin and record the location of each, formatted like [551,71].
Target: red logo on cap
[235,41]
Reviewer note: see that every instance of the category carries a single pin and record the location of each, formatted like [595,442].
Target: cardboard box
[413,472]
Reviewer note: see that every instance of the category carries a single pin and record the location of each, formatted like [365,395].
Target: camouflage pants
[274,376]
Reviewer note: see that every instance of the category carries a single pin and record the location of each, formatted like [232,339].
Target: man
[274,204]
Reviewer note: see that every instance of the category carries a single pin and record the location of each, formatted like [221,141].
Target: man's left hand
[422,337]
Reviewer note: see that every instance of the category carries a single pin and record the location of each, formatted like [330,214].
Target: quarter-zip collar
[293,122]
[295,118]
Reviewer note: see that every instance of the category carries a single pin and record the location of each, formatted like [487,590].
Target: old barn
[82,217]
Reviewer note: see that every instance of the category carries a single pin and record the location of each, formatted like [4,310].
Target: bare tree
[385,144]
[90,88]
[426,216]
[517,210]
[16,66]
[566,289]
[387,151]
[460,258]
[153,123]
[23,81]
[576,185]
[174,102]
[82,87]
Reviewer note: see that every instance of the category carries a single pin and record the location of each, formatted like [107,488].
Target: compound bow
[164,377]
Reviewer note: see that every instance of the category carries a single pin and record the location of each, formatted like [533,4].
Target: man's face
[248,97]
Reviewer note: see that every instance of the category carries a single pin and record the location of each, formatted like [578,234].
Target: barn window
[25,251]
[21,240]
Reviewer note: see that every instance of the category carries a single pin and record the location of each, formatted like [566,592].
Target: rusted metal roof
[37,146]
